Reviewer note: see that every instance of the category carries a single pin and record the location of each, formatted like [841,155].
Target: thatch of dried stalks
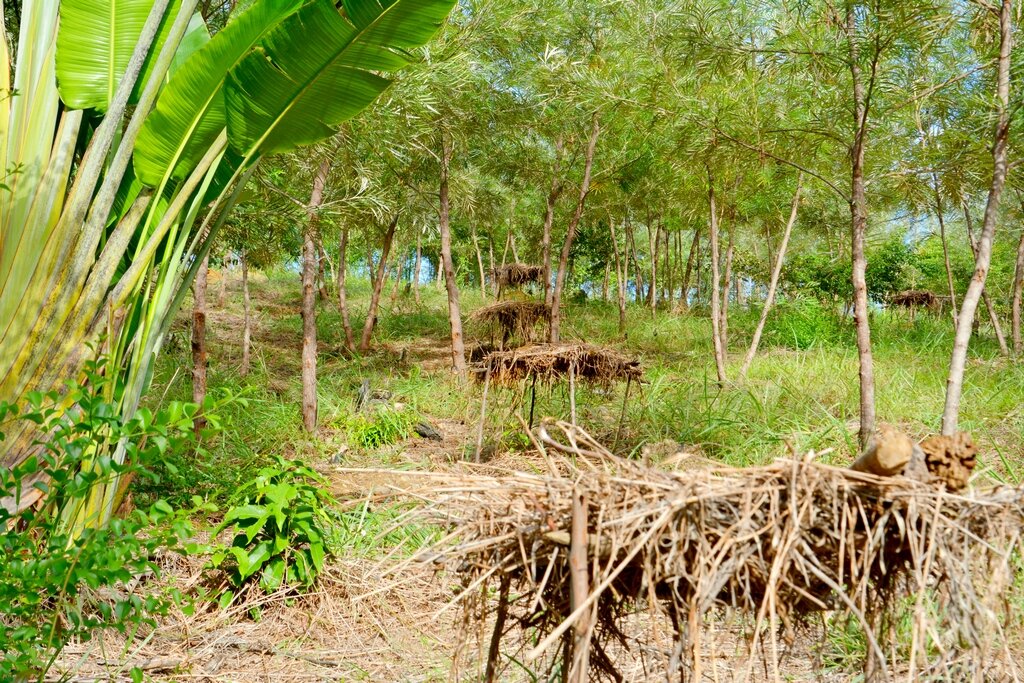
[552,362]
[770,544]
[517,274]
[912,298]
[514,318]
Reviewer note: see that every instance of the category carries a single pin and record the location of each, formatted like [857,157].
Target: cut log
[888,452]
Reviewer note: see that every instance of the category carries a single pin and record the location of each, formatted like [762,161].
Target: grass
[801,392]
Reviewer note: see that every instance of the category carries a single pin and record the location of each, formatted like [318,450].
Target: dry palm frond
[551,362]
[517,274]
[517,318]
[770,544]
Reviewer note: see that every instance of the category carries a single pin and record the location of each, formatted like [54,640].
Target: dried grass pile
[615,570]
[554,362]
[517,275]
[913,298]
[514,318]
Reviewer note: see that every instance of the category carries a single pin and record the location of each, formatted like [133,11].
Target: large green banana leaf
[190,112]
[94,44]
[280,97]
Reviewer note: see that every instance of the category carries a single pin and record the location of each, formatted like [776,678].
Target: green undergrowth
[382,426]
[801,393]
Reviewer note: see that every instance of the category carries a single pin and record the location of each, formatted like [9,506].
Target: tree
[969,305]
[773,283]
[378,284]
[309,265]
[570,235]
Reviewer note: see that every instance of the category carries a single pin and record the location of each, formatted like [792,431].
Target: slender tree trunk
[378,285]
[321,273]
[549,217]
[309,268]
[508,233]
[199,342]
[454,310]
[570,235]
[716,322]
[701,283]
[945,249]
[416,267]
[652,250]
[247,316]
[993,316]
[1018,287]
[631,237]
[773,284]
[670,242]
[504,252]
[654,240]
[346,322]
[222,289]
[727,286]
[858,232]
[490,257]
[515,252]
[954,384]
[396,272]
[480,264]
[606,282]
[684,294]
[620,277]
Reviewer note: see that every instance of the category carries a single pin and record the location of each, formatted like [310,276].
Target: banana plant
[126,137]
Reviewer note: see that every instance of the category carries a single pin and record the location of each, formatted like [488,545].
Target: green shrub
[57,586]
[383,427]
[215,467]
[281,528]
[801,323]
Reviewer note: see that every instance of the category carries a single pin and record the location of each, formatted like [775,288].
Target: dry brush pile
[613,569]
[556,362]
[517,275]
[513,318]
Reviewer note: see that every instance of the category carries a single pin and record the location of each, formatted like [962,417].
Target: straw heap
[517,274]
[517,318]
[551,362]
[768,544]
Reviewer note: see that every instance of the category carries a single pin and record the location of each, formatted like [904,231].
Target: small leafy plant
[61,581]
[383,427]
[282,529]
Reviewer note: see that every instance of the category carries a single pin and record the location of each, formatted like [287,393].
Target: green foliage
[57,585]
[383,427]
[815,273]
[931,266]
[890,268]
[802,322]
[204,471]
[281,528]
